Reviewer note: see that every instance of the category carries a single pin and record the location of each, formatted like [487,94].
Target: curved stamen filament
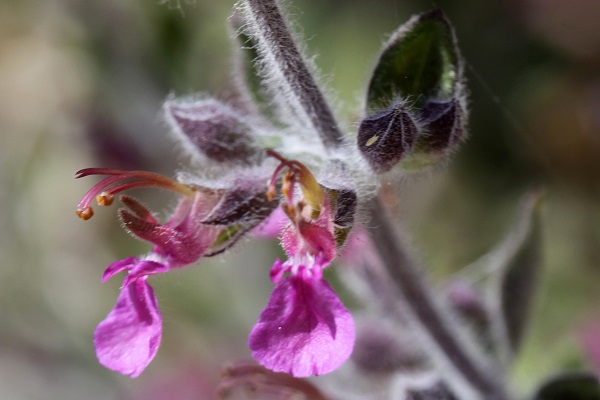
[272,182]
[296,173]
[87,198]
[294,168]
[136,179]
[143,175]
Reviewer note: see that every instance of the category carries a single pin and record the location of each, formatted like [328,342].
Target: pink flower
[128,338]
[305,329]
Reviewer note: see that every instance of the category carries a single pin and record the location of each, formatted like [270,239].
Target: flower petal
[144,268]
[304,330]
[128,338]
[183,244]
[277,270]
[310,237]
[118,266]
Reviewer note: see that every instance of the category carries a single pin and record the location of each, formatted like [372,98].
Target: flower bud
[386,137]
[443,124]
[214,130]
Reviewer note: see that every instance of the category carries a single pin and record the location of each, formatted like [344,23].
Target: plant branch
[274,31]
[444,336]
[411,285]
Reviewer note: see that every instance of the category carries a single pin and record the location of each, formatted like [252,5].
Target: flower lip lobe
[128,338]
[304,330]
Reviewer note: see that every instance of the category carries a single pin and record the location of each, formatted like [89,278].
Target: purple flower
[128,338]
[305,329]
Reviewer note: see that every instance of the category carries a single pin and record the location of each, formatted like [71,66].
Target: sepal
[245,202]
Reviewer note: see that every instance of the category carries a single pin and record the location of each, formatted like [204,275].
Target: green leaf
[519,275]
[572,386]
[421,61]
[513,269]
[508,277]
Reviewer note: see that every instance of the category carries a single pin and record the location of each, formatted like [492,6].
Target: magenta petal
[319,238]
[304,330]
[312,237]
[118,266]
[144,268]
[128,338]
[277,271]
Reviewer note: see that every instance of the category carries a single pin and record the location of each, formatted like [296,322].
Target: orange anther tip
[105,199]
[85,214]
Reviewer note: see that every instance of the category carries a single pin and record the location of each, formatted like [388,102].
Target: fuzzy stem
[277,34]
[401,267]
[404,272]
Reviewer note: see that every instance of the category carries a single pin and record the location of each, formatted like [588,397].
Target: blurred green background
[82,83]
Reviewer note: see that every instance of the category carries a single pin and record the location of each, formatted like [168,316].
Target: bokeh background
[82,83]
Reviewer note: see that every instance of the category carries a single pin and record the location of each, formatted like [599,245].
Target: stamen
[272,182]
[296,173]
[97,188]
[133,179]
[287,188]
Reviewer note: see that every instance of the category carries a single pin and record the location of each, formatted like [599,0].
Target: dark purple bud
[386,137]
[215,130]
[443,126]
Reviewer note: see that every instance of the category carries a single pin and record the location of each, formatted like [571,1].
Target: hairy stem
[274,30]
[401,267]
[405,274]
